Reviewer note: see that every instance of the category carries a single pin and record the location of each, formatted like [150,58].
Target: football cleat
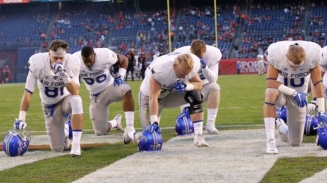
[199,141]
[67,142]
[75,150]
[212,130]
[283,136]
[126,138]
[271,146]
[118,119]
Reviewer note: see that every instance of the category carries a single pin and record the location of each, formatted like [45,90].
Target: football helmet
[150,141]
[322,135]
[310,125]
[15,144]
[68,126]
[184,125]
[282,113]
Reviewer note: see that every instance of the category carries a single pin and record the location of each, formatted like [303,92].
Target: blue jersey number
[53,92]
[99,79]
[294,82]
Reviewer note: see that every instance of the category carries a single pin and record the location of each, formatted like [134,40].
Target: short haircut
[185,61]
[296,54]
[87,51]
[198,47]
[56,44]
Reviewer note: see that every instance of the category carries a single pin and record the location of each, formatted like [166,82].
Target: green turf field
[241,106]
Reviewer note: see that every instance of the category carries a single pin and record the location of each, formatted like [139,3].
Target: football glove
[154,127]
[322,116]
[64,76]
[57,67]
[118,81]
[312,107]
[20,124]
[300,98]
[203,63]
[179,87]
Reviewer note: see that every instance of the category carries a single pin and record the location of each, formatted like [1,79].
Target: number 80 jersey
[297,79]
[98,77]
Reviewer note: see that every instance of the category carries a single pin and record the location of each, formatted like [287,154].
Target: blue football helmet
[14,144]
[322,135]
[68,126]
[310,125]
[150,141]
[282,113]
[184,125]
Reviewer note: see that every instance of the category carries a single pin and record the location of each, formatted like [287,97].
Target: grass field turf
[241,105]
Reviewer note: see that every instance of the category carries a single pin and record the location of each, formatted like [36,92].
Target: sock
[211,118]
[270,128]
[131,135]
[198,127]
[77,134]
[129,116]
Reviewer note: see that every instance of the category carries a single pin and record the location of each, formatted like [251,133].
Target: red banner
[248,66]
[13,1]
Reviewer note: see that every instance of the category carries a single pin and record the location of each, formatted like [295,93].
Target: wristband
[122,72]
[321,104]
[67,79]
[22,115]
[286,90]
[153,118]
[189,87]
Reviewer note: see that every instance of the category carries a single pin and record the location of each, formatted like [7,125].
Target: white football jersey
[323,63]
[51,88]
[163,71]
[98,77]
[211,57]
[299,79]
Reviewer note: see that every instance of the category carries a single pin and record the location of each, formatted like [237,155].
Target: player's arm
[196,82]
[318,90]
[72,87]
[211,73]
[155,89]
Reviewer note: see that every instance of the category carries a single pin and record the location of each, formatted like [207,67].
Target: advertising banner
[13,1]
[248,66]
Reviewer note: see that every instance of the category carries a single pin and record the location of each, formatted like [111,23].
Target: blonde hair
[296,54]
[198,47]
[185,61]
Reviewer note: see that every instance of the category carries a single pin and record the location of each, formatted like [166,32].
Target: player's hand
[203,63]
[179,87]
[300,98]
[57,67]
[312,107]
[20,124]
[322,116]
[64,76]
[118,81]
[154,127]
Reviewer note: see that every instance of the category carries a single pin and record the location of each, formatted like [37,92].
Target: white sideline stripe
[233,156]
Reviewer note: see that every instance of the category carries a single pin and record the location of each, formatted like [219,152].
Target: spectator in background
[131,62]
[142,62]
[238,67]
[6,73]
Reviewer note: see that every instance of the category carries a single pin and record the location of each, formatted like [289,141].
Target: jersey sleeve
[273,54]
[30,83]
[112,57]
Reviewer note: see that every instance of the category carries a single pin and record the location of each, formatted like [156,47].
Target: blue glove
[179,87]
[322,116]
[153,128]
[300,98]
[57,67]
[203,63]
[20,124]
[118,81]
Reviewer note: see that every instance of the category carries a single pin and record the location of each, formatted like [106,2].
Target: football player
[261,64]
[291,64]
[209,58]
[170,80]
[104,89]
[57,75]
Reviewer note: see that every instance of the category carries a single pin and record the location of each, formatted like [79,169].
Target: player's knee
[271,95]
[195,99]
[76,104]
[100,133]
